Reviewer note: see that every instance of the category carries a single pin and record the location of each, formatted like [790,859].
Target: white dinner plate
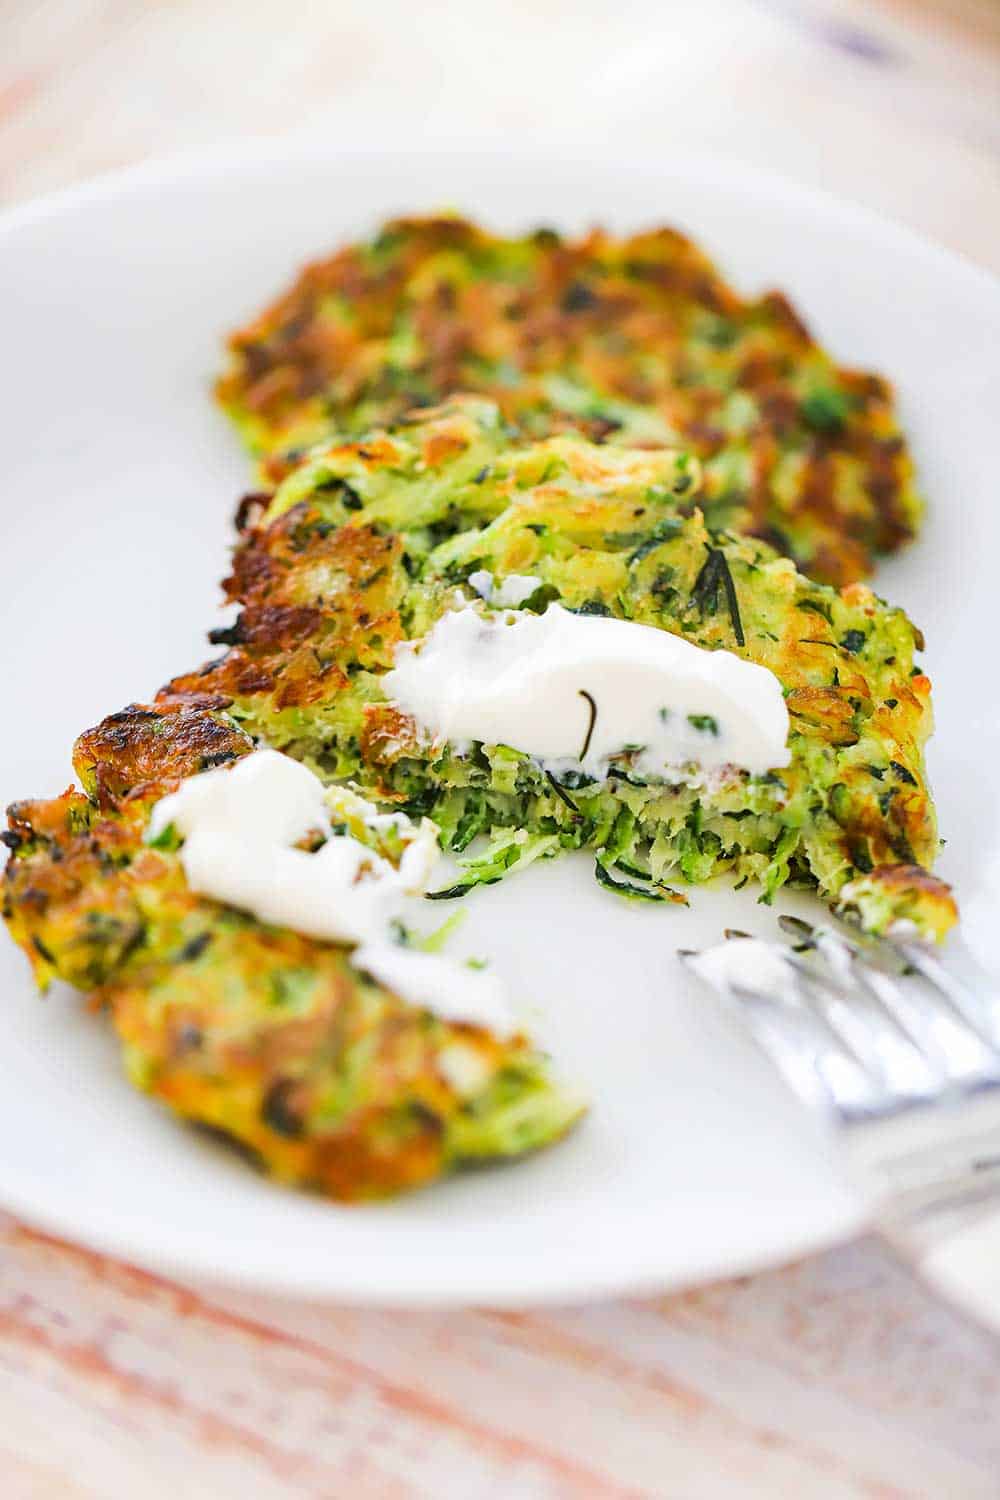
[120,480]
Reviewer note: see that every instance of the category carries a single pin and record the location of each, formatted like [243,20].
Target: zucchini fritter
[369,542]
[272,1039]
[638,341]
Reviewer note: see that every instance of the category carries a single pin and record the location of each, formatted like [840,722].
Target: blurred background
[895,103]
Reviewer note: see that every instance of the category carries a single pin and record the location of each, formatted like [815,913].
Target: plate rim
[724,168]
[117,1238]
[558,1284]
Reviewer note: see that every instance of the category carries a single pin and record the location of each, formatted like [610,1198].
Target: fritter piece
[636,341]
[274,1040]
[370,542]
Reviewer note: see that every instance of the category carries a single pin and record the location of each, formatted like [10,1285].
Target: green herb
[704,723]
[292,987]
[590,726]
[664,532]
[563,796]
[705,593]
[825,410]
[278,1109]
[578,297]
[720,333]
[635,892]
[453,892]
[840,804]
[816,608]
[853,640]
[168,838]
[577,780]
[662,588]
[615,773]
[194,948]
[472,822]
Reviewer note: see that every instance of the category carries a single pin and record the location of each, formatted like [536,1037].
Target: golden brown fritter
[637,341]
[273,1039]
[370,542]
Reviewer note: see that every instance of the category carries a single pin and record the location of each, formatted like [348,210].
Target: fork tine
[961,1000]
[838,978]
[798,1037]
[926,1063]
[951,1046]
[826,995]
[860,1011]
[784,1045]
[925,1140]
[796,928]
[814,1067]
[913,1023]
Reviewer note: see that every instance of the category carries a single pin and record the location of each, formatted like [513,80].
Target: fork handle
[927,1163]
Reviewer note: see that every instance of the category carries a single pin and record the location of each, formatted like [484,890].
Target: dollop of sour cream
[509,593]
[240,825]
[575,690]
[450,990]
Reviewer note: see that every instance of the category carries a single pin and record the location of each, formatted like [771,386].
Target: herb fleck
[817,608]
[590,726]
[664,532]
[560,793]
[705,593]
[825,410]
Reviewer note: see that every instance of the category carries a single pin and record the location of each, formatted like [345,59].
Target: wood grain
[837,92]
[836,1377]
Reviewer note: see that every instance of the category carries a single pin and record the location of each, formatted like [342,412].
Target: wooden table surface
[840,1376]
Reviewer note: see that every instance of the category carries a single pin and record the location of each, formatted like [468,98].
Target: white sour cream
[451,990]
[522,680]
[511,591]
[239,826]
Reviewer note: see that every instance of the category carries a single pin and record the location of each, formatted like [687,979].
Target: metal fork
[899,1055]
